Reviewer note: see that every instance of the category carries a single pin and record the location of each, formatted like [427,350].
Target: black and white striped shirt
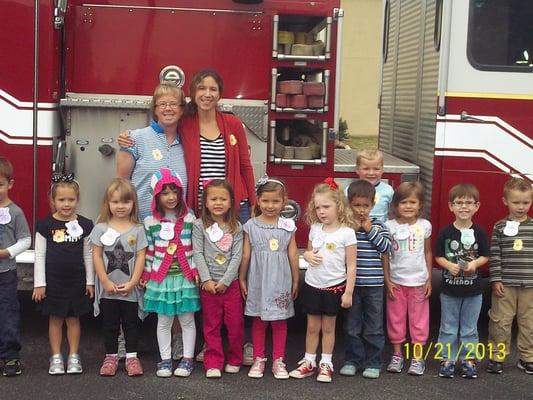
[212,162]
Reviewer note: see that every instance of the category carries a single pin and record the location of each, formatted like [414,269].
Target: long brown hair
[231,216]
[405,190]
[126,192]
[192,107]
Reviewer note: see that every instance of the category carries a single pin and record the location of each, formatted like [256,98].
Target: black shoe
[527,367]
[495,367]
[12,368]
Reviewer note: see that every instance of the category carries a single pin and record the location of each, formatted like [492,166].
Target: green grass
[362,142]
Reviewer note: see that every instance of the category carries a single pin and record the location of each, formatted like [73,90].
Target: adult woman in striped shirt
[215,145]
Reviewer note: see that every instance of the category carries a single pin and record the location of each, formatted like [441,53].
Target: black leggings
[114,314]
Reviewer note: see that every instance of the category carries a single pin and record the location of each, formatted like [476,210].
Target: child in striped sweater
[170,277]
[364,320]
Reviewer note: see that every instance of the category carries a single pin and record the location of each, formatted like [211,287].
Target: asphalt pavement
[35,383]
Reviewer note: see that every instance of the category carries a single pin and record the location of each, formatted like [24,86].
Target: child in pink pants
[408,277]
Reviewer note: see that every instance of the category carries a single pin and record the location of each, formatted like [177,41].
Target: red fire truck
[76,73]
[457,96]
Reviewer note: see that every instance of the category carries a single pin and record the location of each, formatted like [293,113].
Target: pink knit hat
[161,178]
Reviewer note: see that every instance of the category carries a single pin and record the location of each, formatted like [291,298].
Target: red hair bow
[331,183]
[206,183]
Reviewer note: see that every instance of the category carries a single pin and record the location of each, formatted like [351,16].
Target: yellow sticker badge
[232,139]
[132,240]
[330,246]
[518,245]
[171,249]
[156,153]
[274,244]
[58,236]
[220,259]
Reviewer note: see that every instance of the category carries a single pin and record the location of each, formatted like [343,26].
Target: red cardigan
[239,171]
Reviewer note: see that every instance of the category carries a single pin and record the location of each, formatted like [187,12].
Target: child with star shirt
[64,274]
[119,245]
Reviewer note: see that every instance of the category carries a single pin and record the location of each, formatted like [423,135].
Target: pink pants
[410,305]
[218,308]
[279,337]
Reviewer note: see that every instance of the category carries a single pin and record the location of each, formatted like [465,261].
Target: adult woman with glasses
[155,146]
[215,145]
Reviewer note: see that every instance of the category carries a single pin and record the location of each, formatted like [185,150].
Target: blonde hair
[127,192]
[368,154]
[344,212]
[166,88]
[516,184]
[53,191]
[405,190]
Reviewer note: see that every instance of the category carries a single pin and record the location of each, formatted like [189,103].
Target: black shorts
[325,301]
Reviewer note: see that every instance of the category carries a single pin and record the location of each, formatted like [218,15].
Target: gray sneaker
[177,345]
[74,364]
[248,354]
[121,345]
[56,365]
[396,364]
[417,367]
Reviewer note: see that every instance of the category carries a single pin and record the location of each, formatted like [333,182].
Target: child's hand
[39,293]
[470,268]
[110,287]
[366,224]
[454,269]
[4,253]
[142,283]
[220,287]
[391,287]
[209,286]
[356,223]
[313,258]
[126,288]
[244,289]
[498,289]
[346,300]
[427,288]
[89,291]
[294,290]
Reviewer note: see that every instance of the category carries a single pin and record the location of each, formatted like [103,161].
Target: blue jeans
[244,213]
[364,328]
[9,316]
[458,324]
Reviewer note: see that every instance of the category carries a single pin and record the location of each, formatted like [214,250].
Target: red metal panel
[123,50]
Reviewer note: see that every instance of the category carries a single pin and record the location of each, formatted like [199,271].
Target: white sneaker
[232,369]
[213,373]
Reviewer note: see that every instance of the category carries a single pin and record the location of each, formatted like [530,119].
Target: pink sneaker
[134,367]
[258,367]
[109,366]
[279,370]
[305,369]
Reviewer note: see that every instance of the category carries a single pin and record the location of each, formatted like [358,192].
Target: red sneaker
[133,366]
[325,373]
[305,369]
[109,366]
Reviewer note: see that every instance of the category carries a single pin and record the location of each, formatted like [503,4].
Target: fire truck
[75,73]
[456,96]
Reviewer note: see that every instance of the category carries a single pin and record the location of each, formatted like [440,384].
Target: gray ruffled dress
[269,274]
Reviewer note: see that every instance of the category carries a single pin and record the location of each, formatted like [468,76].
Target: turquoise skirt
[175,295]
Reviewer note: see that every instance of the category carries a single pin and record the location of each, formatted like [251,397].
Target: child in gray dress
[269,275]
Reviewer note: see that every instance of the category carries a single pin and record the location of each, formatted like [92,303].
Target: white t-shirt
[331,246]
[407,262]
